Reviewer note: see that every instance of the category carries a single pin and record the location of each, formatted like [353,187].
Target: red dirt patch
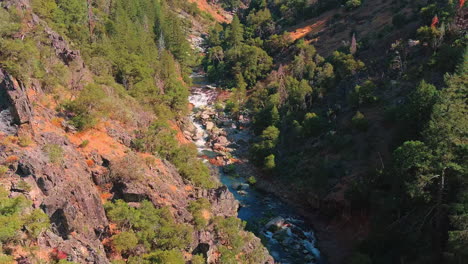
[214,10]
[99,141]
[308,29]
[180,135]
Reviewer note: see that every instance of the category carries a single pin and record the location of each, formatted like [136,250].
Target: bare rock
[209,125]
[222,201]
[15,92]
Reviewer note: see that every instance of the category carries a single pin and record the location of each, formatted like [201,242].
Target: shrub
[3,170]
[86,107]
[124,241]
[352,4]
[200,210]
[430,35]
[251,180]
[22,185]
[55,153]
[5,259]
[269,163]
[345,65]
[19,58]
[24,141]
[229,230]
[198,259]
[84,143]
[11,210]
[155,228]
[160,139]
[166,256]
[130,167]
[36,222]
[363,94]
[268,141]
[360,122]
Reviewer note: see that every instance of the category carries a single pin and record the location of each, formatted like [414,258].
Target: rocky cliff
[70,175]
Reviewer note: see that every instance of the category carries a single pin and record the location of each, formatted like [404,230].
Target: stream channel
[221,140]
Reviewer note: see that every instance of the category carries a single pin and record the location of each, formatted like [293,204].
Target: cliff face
[69,175]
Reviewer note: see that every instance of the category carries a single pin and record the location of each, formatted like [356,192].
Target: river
[286,235]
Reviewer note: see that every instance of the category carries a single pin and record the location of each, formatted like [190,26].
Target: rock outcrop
[16,98]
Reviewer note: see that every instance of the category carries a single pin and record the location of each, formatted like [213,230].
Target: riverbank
[224,143]
[336,236]
[221,141]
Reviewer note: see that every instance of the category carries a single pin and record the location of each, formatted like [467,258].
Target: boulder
[222,140]
[275,222]
[209,125]
[222,200]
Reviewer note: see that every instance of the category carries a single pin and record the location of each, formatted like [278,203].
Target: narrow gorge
[223,143]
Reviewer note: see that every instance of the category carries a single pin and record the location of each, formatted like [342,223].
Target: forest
[380,118]
[416,198]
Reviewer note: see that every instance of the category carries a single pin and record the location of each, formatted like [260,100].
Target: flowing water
[286,235]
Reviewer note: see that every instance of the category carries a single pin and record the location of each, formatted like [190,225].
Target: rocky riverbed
[221,141]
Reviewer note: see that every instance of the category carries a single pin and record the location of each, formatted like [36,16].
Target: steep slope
[76,177]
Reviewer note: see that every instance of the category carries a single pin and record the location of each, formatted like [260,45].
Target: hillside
[233,131]
[81,180]
[346,100]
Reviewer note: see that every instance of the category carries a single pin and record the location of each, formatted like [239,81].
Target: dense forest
[378,119]
[311,118]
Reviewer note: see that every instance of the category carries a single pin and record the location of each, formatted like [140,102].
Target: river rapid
[222,141]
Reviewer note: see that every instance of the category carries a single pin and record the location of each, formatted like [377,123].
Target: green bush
[55,153]
[86,107]
[11,215]
[160,139]
[360,122]
[345,65]
[197,209]
[352,4]
[198,259]
[24,141]
[19,58]
[36,222]
[363,94]
[155,228]
[251,180]
[266,145]
[126,240]
[84,143]
[164,257]
[5,259]
[269,163]
[229,230]
[23,185]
